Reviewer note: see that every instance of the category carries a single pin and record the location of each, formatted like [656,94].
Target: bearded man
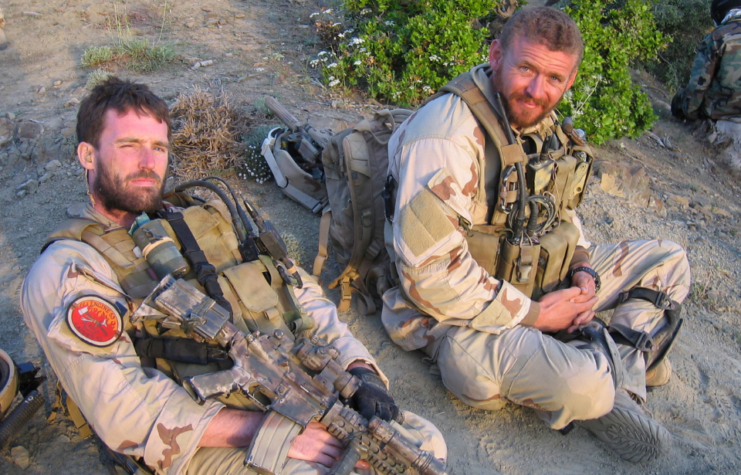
[496,282]
[125,376]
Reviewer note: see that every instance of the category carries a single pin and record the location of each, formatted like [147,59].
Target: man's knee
[469,378]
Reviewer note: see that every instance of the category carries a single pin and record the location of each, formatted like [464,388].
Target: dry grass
[206,134]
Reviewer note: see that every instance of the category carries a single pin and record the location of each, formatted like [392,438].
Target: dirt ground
[666,184]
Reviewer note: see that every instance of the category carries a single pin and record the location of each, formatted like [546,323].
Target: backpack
[356,165]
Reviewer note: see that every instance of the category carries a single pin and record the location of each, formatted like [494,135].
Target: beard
[114,195]
[521,119]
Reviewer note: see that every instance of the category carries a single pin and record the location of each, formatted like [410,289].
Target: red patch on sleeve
[94,321]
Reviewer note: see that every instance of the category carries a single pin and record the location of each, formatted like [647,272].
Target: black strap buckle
[663,301]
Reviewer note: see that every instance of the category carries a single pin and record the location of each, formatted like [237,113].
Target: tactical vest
[260,300]
[556,166]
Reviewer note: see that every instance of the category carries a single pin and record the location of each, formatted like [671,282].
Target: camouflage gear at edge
[714,89]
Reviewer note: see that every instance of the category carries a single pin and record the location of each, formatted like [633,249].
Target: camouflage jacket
[134,410]
[435,157]
[714,89]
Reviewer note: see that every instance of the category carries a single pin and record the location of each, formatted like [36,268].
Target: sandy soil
[688,198]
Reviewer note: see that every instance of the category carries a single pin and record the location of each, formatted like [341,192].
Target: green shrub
[401,51]
[603,100]
[96,56]
[137,55]
[687,22]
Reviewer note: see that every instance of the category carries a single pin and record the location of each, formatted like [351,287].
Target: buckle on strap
[659,298]
[663,301]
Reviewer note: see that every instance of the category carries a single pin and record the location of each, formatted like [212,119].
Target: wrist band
[590,271]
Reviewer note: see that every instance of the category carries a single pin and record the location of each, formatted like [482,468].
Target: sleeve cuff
[581,257]
[532,315]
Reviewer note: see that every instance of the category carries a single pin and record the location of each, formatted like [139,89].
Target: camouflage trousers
[223,461]
[562,383]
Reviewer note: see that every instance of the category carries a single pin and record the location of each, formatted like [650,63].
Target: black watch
[590,271]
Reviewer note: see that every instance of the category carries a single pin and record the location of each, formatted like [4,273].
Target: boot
[659,375]
[629,431]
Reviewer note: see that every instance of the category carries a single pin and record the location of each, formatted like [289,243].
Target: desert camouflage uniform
[140,411]
[476,328]
[714,89]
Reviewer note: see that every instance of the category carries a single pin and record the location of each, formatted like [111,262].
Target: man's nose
[536,87]
[147,158]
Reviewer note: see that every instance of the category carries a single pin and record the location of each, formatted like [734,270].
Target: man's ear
[86,155]
[495,54]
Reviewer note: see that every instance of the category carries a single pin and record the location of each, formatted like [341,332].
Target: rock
[661,108]
[63,439]
[57,83]
[202,64]
[239,15]
[30,186]
[10,116]
[20,457]
[41,90]
[721,212]
[72,102]
[677,200]
[29,130]
[190,24]
[21,193]
[53,165]
[6,131]
[46,177]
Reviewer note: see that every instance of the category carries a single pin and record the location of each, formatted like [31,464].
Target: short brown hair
[546,26]
[122,96]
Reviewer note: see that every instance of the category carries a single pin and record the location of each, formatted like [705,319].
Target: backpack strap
[323,252]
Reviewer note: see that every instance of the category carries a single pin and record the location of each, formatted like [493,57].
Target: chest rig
[527,184]
[247,274]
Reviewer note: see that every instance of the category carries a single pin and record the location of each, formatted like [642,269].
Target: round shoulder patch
[94,321]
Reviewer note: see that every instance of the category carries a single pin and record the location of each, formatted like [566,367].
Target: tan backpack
[356,165]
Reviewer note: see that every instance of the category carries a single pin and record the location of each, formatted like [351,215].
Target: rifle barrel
[282,113]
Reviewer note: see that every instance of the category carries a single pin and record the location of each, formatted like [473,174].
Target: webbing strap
[205,271]
[322,253]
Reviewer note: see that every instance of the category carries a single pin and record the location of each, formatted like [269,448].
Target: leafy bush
[603,100]
[687,22]
[398,50]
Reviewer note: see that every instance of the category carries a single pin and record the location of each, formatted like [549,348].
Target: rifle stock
[275,367]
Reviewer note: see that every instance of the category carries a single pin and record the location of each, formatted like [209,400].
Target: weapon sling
[205,271]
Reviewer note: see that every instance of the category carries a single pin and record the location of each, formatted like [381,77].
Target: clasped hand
[568,308]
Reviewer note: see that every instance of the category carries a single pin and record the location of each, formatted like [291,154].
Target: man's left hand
[372,398]
[585,282]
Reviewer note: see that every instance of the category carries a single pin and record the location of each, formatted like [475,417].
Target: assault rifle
[269,369]
[304,139]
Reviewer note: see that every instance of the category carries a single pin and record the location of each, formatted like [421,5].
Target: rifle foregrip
[282,113]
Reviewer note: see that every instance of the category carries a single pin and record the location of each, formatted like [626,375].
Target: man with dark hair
[714,88]
[124,374]
[496,282]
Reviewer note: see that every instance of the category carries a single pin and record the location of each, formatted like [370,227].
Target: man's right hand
[559,309]
[315,444]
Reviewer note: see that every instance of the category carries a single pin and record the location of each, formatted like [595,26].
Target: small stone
[46,177]
[29,130]
[63,439]
[53,165]
[240,15]
[677,200]
[21,193]
[228,55]
[29,186]
[41,90]
[721,212]
[10,116]
[68,131]
[72,102]
[20,457]
[57,83]
[190,24]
